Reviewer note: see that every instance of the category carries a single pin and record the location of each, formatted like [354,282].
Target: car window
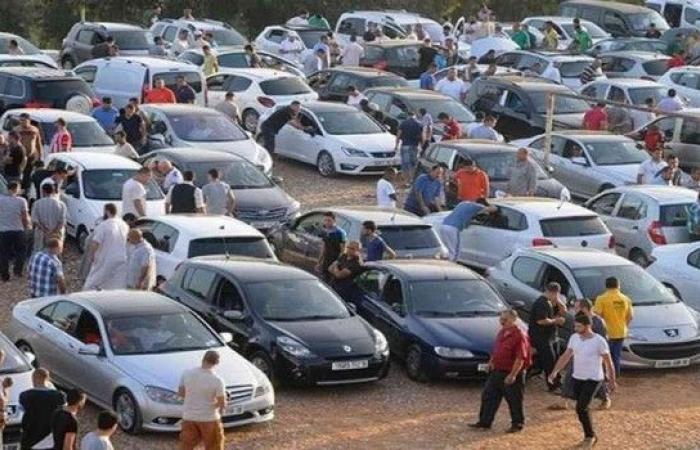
[216,83]
[573,227]
[594,91]
[690,132]
[250,246]
[409,237]
[694,259]
[656,67]
[14,87]
[275,36]
[87,329]
[371,282]
[508,59]
[194,79]
[515,103]
[688,79]
[169,34]
[86,37]
[528,61]
[352,25]
[605,204]
[552,274]
[310,224]
[527,270]
[381,100]
[393,292]
[227,297]
[233,60]
[632,208]
[444,155]
[199,282]
[340,82]
[319,80]
[558,144]
[503,219]
[87,73]
[674,215]
[63,315]
[238,84]
[284,86]
[163,237]
[613,23]
[398,108]
[616,94]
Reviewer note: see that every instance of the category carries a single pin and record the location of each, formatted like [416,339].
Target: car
[570,66]
[26,61]
[36,87]
[237,58]
[398,104]
[686,81]
[523,222]
[441,319]
[628,44]
[494,158]
[588,162]
[299,243]
[682,136]
[16,366]
[397,56]
[132,40]
[332,84]
[260,201]
[177,237]
[272,36]
[520,103]
[339,139]
[394,24]
[633,91]
[258,90]
[28,49]
[172,125]
[94,180]
[125,77]
[618,19]
[127,350]
[644,217]
[498,44]
[564,26]
[678,14]
[630,64]
[481,68]
[664,331]
[677,266]
[225,35]
[287,322]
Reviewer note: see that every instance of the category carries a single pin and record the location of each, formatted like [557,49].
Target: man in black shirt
[371,33]
[134,127]
[547,313]
[270,127]
[39,404]
[64,425]
[183,91]
[15,158]
[426,55]
[344,270]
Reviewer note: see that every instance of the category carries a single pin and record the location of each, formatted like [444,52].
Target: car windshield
[447,105]
[409,237]
[675,215]
[27,47]
[106,184]
[132,39]
[238,174]
[228,37]
[594,31]
[639,95]
[84,134]
[311,37]
[285,86]
[14,361]
[56,90]
[253,246]
[636,283]
[294,300]
[656,67]
[159,333]
[573,226]
[454,298]
[641,21]
[348,122]
[203,127]
[387,81]
[562,105]
[498,165]
[573,68]
[613,153]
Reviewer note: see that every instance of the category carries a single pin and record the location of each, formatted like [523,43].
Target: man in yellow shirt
[616,309]
[551,37]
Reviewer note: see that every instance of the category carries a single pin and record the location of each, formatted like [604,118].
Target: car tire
[127,411]
[262,361]
[638,257]
[26,348]
[67,63]
[79,103]
[325,164]
[250,119]
[414,364]
[81,239]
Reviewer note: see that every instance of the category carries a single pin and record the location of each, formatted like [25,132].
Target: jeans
[12,249]
[616,353]
[409,158]
[544,357]
[584,390]
[494,391]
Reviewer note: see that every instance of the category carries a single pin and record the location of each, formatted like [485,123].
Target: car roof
[318,106]
[555,19]
[125,303]
[524,82]
[393,43]
[151,62]
[299,28]
[479,146]
[39,72]
[364,72]
[628,82]
[685,69]
[407,92]
[198,24]
[554,56]
[662,194]
[96,161]
[622,7]
[593,136]
[426,269]
[195,154]
[50,114]
[544,208]
[635,54]
[578,258]
[380,216]
[116,26]
[256,74]
[251,270]
[197,225]
[179,108]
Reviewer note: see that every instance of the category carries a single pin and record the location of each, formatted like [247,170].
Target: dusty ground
[655,410]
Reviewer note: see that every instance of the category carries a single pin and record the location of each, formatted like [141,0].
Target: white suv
[394,24]
[224,34]
[564,26]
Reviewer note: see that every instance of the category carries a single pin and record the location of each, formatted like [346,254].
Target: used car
[564,26]
[28,49]
[686,81]
[681,136]
[36,87]
[332,84]
[400,56]
[394,24]
[271,37]
[78,44]
[629,64]
[224,34]
[628,44]
[26,61]
[237,58]
[570,66]
[632,91]
[18,367]
[677,266]
[617,18]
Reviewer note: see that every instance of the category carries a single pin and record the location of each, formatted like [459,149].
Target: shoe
[558,407]
[588,442]
[605,404]
[479,426]
[515,429]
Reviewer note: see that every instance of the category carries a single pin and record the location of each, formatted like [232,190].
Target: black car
[33,87]
[520,103]
[332,84]
[286,321]
[628,44]
[398,56]
[77,47]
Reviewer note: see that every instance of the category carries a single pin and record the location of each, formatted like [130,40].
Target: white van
[123,77]
[678,13]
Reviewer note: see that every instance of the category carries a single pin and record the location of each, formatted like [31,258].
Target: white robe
[109,264]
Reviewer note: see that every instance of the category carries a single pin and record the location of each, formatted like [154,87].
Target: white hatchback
[686,81]
[677,266]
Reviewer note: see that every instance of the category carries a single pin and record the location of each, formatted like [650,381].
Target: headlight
[454,353]
[293,347]
[380,344]
[354,152]
[262,389]
[161,395]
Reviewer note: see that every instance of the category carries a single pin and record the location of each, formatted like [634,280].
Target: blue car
[438,317]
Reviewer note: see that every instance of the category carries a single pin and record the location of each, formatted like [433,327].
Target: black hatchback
[286,321]
[332,84]
[33,87]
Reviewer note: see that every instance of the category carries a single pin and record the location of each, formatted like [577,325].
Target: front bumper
[462,369]
[319,371]
[665,355]
[366,166]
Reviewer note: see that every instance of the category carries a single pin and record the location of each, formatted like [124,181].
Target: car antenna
[226,252]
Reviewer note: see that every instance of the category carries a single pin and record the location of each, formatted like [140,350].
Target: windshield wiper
[434,313]
[475,313]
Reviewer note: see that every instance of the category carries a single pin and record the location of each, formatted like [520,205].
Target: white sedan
[686,81]
[677,266]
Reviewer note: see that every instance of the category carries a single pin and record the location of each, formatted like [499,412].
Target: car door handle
[635,227]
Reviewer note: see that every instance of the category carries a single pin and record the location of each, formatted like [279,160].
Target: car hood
[379,142]
[245,148]
[652,322]
[471,333]
[328,337]
[263,198]
[568,121]
[625,173]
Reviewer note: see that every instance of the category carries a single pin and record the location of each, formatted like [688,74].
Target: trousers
[584,391]
[494,391]
[12,250]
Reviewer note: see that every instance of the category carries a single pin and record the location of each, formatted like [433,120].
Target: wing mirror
[517,304]
[226,337]
[89,350]
[233,314]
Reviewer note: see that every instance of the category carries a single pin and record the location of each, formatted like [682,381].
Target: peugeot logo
[671,332]
[584,243]
[347,348]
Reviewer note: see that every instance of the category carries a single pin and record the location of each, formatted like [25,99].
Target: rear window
[573,69]
[657,67]
[573,226]
[193,79]
[409,237]
[284,86]
[674,215]
[132,39]
[255,247]
[60,89]
[373,54]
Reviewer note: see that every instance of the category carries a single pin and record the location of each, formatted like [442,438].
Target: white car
[27,48]
[258,90]
[633,91]
[224,34]
[677,266]
[93,181]
[644,65]
[237,58]
[686,81]
[18,367]
[177,237]
[172,125]
[570,66]
[339,139]
[523,222]
[394,24]
[564,26]
[270,39]
[27,61]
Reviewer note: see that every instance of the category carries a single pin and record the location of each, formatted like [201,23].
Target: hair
[443,115]
[330,214]
[111,209]
[206,47]
[612,283]
[47,188]
[38,164]
[482,201]
[134,100]
[468,162]
[438,166]
[248,47]
[585,303]
[649,101]
[14,42]
[350,88]
[489,117]
[211,357]
[143,171]
[129,217]
[61,121]
[24,115]
[106,420]
[370,225]
[583,319]
[513,314]
[53,243]
[12,185]
[553,286]
[40,375]
[214,173]
[74,396]
[188,175]
[295,103]
[129,106]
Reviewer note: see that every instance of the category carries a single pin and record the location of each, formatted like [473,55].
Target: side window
[340,82]
[508,59]
[319,80]
[216,83]
[553,275]
[165,237]
[444,155]
[199,282]
[605,205]
[275,36]
[87,73]
[515,103]
[87,330]
[343,223]
[573,150]
[398,108]
[591,91]
[537,144]
[227,297]
[14,87]
[694,259]
[233,60]
[667,126]
[10,123]
[690,132]
[505,219]
[691,15]
[613,23]
[558,145]
[352,25]
[238,84]
[616,94]
[86,37]
[632,208]
[608,63]
[62,315]
[382,100]
[372,282]
[169,34]
[310,224]
[393,293]
[527,270]
[624,65]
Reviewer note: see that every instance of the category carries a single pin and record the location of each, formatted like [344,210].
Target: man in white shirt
[229,107]
[486,130]
[651,167]
[108,252]
[670,103]
[451,85]
[352,53]
[180,44]
[134,193]
[301,19]
[641,118]
[552,72]
[291,47]
[386,194]
[99,439]
[354,97]
[172,175]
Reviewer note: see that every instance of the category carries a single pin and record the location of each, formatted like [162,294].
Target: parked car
[272,36]
[570,66]
[677,14]
[288,323]
[440,319]
[35,87]
[394,24]
[523,222]
[192,126]
[127,350]
[481,68]
[644,217]
[260,201]
[299,243]
[664,331]
[236,58]
[28,49]
[629,64]
[625,90]
[682,136]
[564,26]
[27,61]
[78,44]
[677,266]
[258,90]
[397,56]
[94,180]
[628,44]
[686,81]
[224,34]
[618,19]
[177,237]
[17,366]
[588,162]
[332,84]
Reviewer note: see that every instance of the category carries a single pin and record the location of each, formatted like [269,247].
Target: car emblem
[263,212]
[671,332]
[347,348]
[584,243]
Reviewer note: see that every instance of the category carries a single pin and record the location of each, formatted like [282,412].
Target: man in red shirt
[510,358]
[676,60]
[62,141]
[472,182]
[653,138]
[596,118]
[160,93]
[451,128]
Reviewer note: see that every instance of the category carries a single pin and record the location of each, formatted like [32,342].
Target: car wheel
[414,364]
[26,348]
[325,164]
[638,257]
[250,120]
[262,361]
[605,187]
[67,63]
[81,239]
[79,103]
[128,413]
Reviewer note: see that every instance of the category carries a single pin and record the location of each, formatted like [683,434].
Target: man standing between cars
[183,91]
[30,138]
[671,103]
[386,193]
[180,44]
[426,55]
[274,123]
[64,422]
[353,52]
[510,358]
[62,141]
[106,115]
[15,158]
[694,216]
[344,269]
[229,107]
[46,271]
[452,86]
[522,175]
[427,192]
[616,310]
[140,262]
[99,439]
[204,395]
[107,252]
[122,147]
[374,245]
[409,137]
[158,48]
[548,312]
[521,37]
[134,126]
[451,128]
[160,93]
[551,37]
[652,166]
[185,197]
[39,403]
[596,118]
[334,239]
[472,182]
[211,62]
[134,193]
[427,78]
[582,41]
[171,174]
[458,220]
[49,217]
[486,130]
[14,220]
[218,196]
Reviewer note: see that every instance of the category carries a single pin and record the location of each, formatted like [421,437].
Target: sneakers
[515,428]
[605,404]
[588,443]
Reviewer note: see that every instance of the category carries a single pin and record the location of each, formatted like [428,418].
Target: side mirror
[580,160]
[226,337]
[550,169]
[233,314]
[89,350]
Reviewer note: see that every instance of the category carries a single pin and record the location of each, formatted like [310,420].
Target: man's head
[612,283]
[143,175]
[59,174]
[452,74]
[516,26]
[107,102]
[229,96]
[180,80]
[213,174]
[109,40]
[13,187]
[468,165]
[110,210]
[390,173]
[206,49]
[120,137]
[657,154]
[159,83]
[666,173]
[328,219]
[353,249]
[673,161]
[24,119]
[295,106]
[106,423]
[368,227]
[47,189]
[695,174]
[130,219]
[134,236]
[489,121]
[444,117]
[432,67]
[40,377]
[427,42]
[437,171]
[54,246]
[582,324]
[521,154]
[164,166]
[352,90]
[75,398]
[60,123]
[211,358]
[158,40]
[552,291]
[584,306]
[188,176]
[129,110]
[508,318]
[649,102]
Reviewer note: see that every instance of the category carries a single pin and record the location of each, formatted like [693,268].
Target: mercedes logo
[671,332]
[347,348]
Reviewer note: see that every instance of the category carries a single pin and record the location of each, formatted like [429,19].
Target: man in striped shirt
[592,72]
[46,271]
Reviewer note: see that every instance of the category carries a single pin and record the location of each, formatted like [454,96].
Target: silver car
[644,217]
[127,350]
[664,332]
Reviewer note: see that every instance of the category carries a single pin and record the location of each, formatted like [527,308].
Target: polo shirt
[511,344]
[428,188]
[375,248]
[472,185]
[163,95]
[411,132]
[185,94]
[107,118]
[615,308]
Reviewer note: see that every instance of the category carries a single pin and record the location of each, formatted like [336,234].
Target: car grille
[239,394]
[257,214]
[667,351]
[383,154]
[238,418]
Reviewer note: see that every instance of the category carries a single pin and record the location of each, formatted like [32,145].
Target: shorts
[409,157]
[210,434]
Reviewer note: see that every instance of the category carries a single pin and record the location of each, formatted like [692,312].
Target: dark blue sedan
[439,317]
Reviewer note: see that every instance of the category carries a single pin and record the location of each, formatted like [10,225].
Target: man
[426,55]
[616,310]
[229,107]
[316,61]
[409,138]
[353,52]
[458,220]
[354,97]
[548,312]
[344,269]
[641,118]
[426,121]
[619,119]
[62,141]
[472,182]
[211,62]
[451,128]
[46,271]
[252,58]
[521,37]
[301,19]
[64,422]
[426,195]
[140,262]
[324,44]
[122,147]
[652,32]
[158,48]
[30,138]
[590,353]
[106,115]
[183,91]
[107,252]
[552,72]
[218,196]
[596,118]
[650,167]
[204,394]
[582,41]
[199,41]
[334,239]
[171,174]
[14,220]
[187,14]
[160,93]
[134,193]
[663,177]
[670,103]
[39,403]
[386,193]
[291,47]
[509,360]
[13,48]
[55,179]
[693,181]
[99,439]
[487,130]
[694,216]
[180,44]
[370,34]
[427,78]
[451,85]
[677,60]
[134,126]
[49,218]
[274,123]
[653,138]
[551,37]
[317,20]
[102,50]
[592,72]
[373,243]
[185,197]
[15,158]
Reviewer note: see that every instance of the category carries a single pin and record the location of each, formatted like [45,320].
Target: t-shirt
[452,130]
[278,119]
[12,209]
[132,190]
[157,95]
[669,104]
[484,132]
[202,386]
[615,308]
[649,168]
[17,161]
[172,178]
[138,257]
[452,88]
[106,117]
[62,423]
[351,264]
[588,356]
[49,212]
[463,213]
[216,196]
[595,119]
[352,53]
[333,239]
[541,309]
[126,150]
[185,94]
[429,188]
[411,132]
[61,141]
[93,441]
[375,248]
[132,128]
[384,191]
[472,184]
[39,405]
[427,81]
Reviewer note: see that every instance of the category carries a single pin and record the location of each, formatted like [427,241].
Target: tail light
[656,234]
[37,104]
[611,242]
[540,242]
[267,102]
[382,64]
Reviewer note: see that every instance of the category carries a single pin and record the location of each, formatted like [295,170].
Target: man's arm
[561,363]
[61,281]
[143,275]
[610,372]
[69,441]
[26,220]
[397,144]
[630,312]
[230,203]
[140,206]
[517,367]
[389,251]
[487,186]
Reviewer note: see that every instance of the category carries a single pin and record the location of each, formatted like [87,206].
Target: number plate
[233,410]
[350,365]
[263,224]
[672,363]
[483,367]
[10,447]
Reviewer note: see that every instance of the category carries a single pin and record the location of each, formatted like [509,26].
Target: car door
[272,40]
[230,313]
[163,238]
[390,313]
[299,243]
[82,47]
[196,291]
[57,322]
[688,278]
[490,239]
[337,89]
[521,288]
[215,88]
[560,166]
[687,148]
[576,168]
[626,224]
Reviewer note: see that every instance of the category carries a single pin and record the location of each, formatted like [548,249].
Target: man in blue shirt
[409,137]
[106,115]
[374,244]
[427,79]
[427,192]
[459,219]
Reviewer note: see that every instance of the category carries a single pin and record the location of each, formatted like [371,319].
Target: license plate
[10,447]
[672,363]
[263,224]
[483,367]
[350,365]
[233,410]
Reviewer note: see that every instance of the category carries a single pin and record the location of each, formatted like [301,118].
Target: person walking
[458,220]
[427,192]
[49,218]
[548,312]
[183,91]
[374,245]
[522,179]
[204,395]
[353,52]
[218,196]
[62,141]
[185,197]
[211,62]
[30,138]
[472,182]
[140,262]
[100,438]
[386,193]
[592,72]
[334,239]
[409,138]
[134,193]
[671,103]
[13,164]
[39,403]
[229,107]
[107,252]
[14,221]
[106,115]
[591,354]
[615,308]
[510,358]
[693,224]
[160,93]
[64,422]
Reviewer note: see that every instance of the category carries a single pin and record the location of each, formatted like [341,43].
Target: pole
[83,7]
[549,122]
